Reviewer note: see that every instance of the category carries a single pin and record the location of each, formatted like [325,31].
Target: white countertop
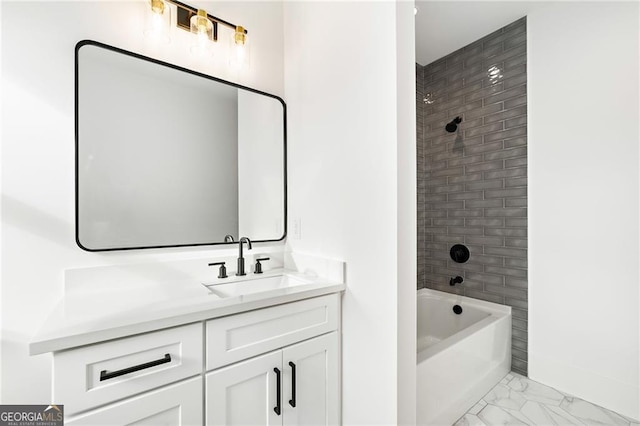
[102,313]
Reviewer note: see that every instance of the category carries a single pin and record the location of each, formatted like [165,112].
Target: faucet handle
[222,272]
[258,268]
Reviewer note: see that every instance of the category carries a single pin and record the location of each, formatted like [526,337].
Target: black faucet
[240,271]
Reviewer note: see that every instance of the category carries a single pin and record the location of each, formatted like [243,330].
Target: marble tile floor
[517,400]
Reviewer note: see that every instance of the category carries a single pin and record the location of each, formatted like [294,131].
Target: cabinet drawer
[99,374]
[241,336]
[175,405]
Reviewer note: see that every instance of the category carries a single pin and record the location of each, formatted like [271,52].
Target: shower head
[453,125]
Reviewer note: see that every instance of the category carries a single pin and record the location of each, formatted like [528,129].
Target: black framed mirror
[169,157]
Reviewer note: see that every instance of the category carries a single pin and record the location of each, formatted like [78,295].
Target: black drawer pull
[104,375]
[292,401]
[278,396]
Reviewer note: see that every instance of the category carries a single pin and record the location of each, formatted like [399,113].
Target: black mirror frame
[178,68]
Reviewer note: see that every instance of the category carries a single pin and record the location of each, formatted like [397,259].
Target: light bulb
[157,22]
[202,28]
[239,49]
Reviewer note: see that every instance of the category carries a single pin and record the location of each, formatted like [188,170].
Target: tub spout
[456,280]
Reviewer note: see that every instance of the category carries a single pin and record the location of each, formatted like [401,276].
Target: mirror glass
[169,157]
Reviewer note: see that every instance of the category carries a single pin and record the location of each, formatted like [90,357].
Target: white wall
[342,92]
[445,26]
[407,212]
[38,154]
[583,195]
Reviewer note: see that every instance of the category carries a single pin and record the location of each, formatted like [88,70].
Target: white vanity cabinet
[231,370]
[298,385]
[266,347]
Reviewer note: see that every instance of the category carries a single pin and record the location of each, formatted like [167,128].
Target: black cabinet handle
[278,396]
[104,375]
[292,401]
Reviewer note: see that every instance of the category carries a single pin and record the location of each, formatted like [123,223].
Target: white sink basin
[241,288]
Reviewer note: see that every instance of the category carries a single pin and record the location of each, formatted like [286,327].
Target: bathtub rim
[496,312]
[455,298]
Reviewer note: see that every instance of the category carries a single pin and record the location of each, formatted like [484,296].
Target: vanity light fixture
[202,28]
[239,48]
[186,15]
[158,22]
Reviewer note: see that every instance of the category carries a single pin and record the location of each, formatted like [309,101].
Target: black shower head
[453,125]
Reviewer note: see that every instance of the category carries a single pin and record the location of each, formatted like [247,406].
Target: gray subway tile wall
[472,184]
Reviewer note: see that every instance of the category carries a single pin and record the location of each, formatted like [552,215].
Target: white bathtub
[460,357]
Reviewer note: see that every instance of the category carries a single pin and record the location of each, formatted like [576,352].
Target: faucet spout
[240,272]
[456,280]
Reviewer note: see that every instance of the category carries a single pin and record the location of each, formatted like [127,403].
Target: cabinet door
[179,404]
[317,391]
[245,393]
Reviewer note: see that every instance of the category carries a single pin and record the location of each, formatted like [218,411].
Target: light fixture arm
[185,12]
